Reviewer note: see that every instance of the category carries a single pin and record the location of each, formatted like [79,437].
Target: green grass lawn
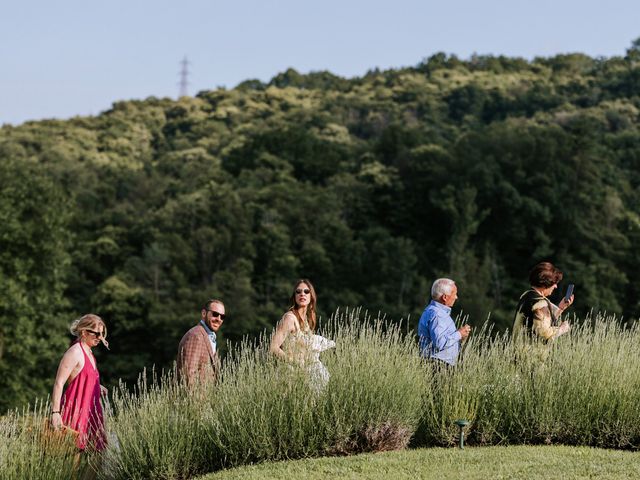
[527,462]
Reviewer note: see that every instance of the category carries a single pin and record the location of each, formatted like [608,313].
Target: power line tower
[184,77]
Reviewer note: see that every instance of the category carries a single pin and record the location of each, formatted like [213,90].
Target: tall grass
[157,430]
[263,409]
[267,410]
[375,398]
[30,449]
[583,389]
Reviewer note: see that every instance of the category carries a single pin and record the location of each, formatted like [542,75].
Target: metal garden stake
[461,424]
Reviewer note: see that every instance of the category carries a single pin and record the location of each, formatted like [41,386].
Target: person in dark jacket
[536,315]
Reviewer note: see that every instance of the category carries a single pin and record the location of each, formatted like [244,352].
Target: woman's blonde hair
[89,322]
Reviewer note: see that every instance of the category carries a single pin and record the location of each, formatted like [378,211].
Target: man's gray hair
[442,286]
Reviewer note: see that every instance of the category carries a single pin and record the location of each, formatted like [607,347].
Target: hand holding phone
[569,294]
[567,299]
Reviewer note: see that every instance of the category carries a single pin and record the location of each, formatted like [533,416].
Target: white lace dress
[304,347]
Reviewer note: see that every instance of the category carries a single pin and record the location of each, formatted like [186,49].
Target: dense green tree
[372,187]
[34,259]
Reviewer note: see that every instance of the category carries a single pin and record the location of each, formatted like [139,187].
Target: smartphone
[567,297]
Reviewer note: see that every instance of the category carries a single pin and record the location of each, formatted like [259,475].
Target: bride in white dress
[294,340]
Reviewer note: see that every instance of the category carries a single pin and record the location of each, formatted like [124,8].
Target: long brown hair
[311,308]
[89,322]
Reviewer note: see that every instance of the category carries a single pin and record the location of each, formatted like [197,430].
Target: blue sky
[68,57]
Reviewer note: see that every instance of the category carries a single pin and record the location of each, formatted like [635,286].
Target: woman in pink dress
[79,408]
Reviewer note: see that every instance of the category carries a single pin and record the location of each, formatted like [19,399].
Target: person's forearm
[542,327]
[277,351]
[452,339]
[557,310]
[446,340]
[56,395]
[278,338]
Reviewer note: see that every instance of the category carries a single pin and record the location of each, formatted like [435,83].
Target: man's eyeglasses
[215,314]
[96,334]
[300,290]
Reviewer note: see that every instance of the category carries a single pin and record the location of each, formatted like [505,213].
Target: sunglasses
[300,290]
[96,334]
[215,314]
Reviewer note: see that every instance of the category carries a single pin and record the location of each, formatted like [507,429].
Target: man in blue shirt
[437,332]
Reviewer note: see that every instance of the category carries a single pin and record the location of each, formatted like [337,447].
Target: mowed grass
[526,462]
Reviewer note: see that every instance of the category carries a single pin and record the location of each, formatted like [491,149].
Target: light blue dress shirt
[211,334]
[437,333]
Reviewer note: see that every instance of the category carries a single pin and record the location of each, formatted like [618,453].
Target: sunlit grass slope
[525,462]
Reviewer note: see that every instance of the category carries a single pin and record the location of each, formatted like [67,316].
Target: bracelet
[57,411]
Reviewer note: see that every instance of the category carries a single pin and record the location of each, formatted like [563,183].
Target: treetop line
[372,187]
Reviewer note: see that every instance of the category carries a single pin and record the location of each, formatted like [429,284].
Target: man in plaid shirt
[197,353]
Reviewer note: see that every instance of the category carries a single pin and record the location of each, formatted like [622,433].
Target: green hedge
[583,389]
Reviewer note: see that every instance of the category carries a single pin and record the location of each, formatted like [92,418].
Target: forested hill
[372,187]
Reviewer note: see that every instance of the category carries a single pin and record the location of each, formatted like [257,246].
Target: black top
[524,310]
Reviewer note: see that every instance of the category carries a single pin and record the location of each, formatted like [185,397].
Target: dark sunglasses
[96,334]
[300,290]
[215,314]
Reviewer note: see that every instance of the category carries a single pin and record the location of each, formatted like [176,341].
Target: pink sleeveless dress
[81,408]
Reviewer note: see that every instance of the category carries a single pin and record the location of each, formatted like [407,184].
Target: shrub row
[584,389]
[262,409]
